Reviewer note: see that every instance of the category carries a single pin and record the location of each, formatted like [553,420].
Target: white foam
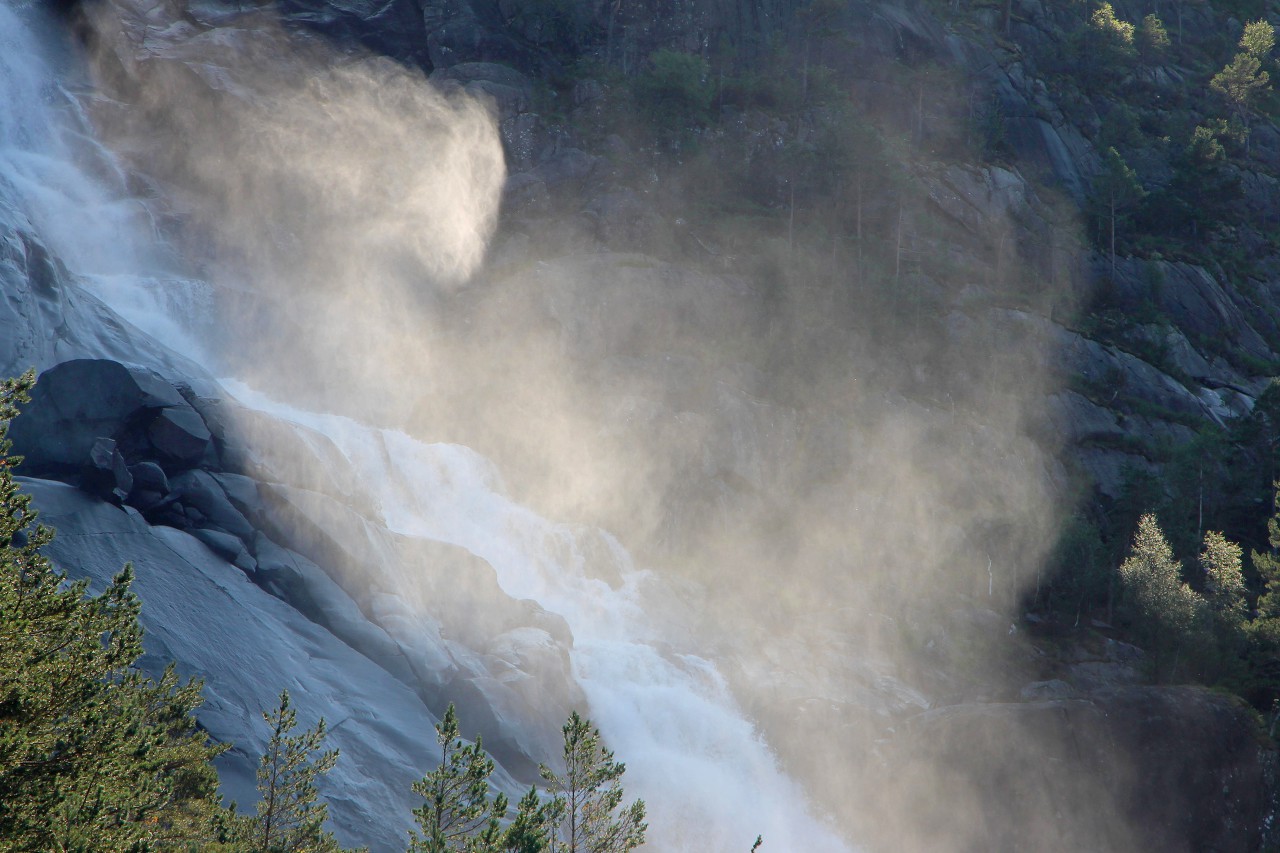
[709,780]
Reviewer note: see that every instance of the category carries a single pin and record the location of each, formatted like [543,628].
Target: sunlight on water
[691,753]
[710,782]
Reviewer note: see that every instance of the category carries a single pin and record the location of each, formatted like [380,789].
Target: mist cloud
[844,496]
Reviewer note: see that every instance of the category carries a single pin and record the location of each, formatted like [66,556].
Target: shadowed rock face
[78,402]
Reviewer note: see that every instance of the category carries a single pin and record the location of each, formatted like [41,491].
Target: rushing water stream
[710,781]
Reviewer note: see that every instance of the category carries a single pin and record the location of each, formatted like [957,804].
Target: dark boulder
[228,548]
[150,477]
[180,438]
[242,491]
[76,403]
[199,491]
[107,476]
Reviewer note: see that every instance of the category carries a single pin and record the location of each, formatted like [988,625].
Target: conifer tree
[1112,37]
[1267,565]
[93,754]
[530,830]
[290,816]
[458,814]
[589,816]
[1152,39]
[1167,610]
[1224,582]
[1116,189]
[1244,80]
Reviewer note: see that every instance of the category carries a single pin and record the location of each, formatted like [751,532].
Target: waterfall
[710,781]
[690,751]
[60,184]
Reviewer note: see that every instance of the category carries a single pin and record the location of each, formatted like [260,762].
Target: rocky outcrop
[77,403]
[191,501]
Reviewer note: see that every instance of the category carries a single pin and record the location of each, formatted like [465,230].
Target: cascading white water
[62,185]
[710,781]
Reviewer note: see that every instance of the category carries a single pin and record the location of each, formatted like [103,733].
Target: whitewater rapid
[708,778]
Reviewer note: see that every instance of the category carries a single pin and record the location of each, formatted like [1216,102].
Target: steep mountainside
[865,330]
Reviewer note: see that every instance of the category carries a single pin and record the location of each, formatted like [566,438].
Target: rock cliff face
[764,419]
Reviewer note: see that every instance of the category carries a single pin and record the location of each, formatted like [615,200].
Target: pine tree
[1244,80]
[1167,610]
[1224,582]
[290,817]
[1116,189]
[458,814]
[530,830]
[1112,37]
[1153,40]
[1267,565]
[93,754]
[589,817]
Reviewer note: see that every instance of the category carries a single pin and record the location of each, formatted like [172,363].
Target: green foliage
[1202,193]
[1121,128]
[530,829]
[1114,29]
[93,755]
[1243,81]
[675,91]
[589,816]
[458,814]
[1110,39]
[1223,578]
[1267,565]
[1166,611]
[583,815]
[1205,150]
[1116,192]
[1258,39]
[1152,40]
[1263,632]
[290,816]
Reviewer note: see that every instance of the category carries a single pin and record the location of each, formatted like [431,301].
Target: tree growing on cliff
[1153,41]
[1166,610]
[1116,191]
[1224,580]
[1243,81]
[1110,38]
[588,814]
[290,816]
[93,754]
[458,814]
